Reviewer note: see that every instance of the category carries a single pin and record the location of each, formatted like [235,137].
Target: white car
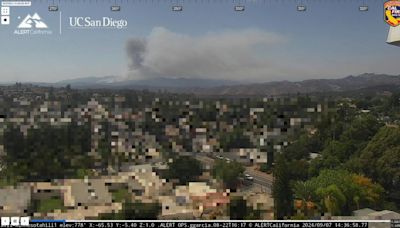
[248,177]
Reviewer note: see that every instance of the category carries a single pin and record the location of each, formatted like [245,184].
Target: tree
[380,158]
[330,185]
[332,197]
[139,210]
[238,209]
[104,145]
[361,129]
[134,210]
[393,101]
[341,150]
[281,190]
[228,172]
[301,148]
[305,191]
[321,163]
[388,171]
[299,169]
[235,139]
[371,193]
[185,169]
[47,152]
[353,139]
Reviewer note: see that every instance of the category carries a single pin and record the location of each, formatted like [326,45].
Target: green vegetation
[267,168]
[358,162]
[48,205]
[228,172]
[185,169]
[378,158]
[338,192]
[381,158]
[57,152]
[357,155]
[9,178]
[358,150]
[82,173]
[120,195]
[238,209]
[135,210]
[281,190]
[235,139]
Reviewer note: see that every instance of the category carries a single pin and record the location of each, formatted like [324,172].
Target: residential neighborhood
[103,154]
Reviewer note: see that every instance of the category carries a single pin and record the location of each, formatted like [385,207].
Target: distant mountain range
[153,83]
[349,83]
[234,88]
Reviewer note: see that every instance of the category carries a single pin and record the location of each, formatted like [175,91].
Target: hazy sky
[270,40]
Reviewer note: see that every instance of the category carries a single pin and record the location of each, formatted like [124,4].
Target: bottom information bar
[209,224]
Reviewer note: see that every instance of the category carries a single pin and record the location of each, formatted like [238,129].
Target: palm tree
[305,191]
[332,198]
[356,200]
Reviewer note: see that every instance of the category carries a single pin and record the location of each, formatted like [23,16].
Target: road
[260,178]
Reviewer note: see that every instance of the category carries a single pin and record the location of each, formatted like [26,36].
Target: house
[88,198]
[14,200]
[370,214]
[251,155]
[363,212]
[88,192]
[192,201]
[47,190]
[384,215]
[176,207]
[263,202]
[153,184]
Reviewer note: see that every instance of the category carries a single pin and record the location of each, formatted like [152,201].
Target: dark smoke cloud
[136,49]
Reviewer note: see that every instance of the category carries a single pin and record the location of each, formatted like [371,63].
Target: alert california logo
[392,12]
[32,25]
